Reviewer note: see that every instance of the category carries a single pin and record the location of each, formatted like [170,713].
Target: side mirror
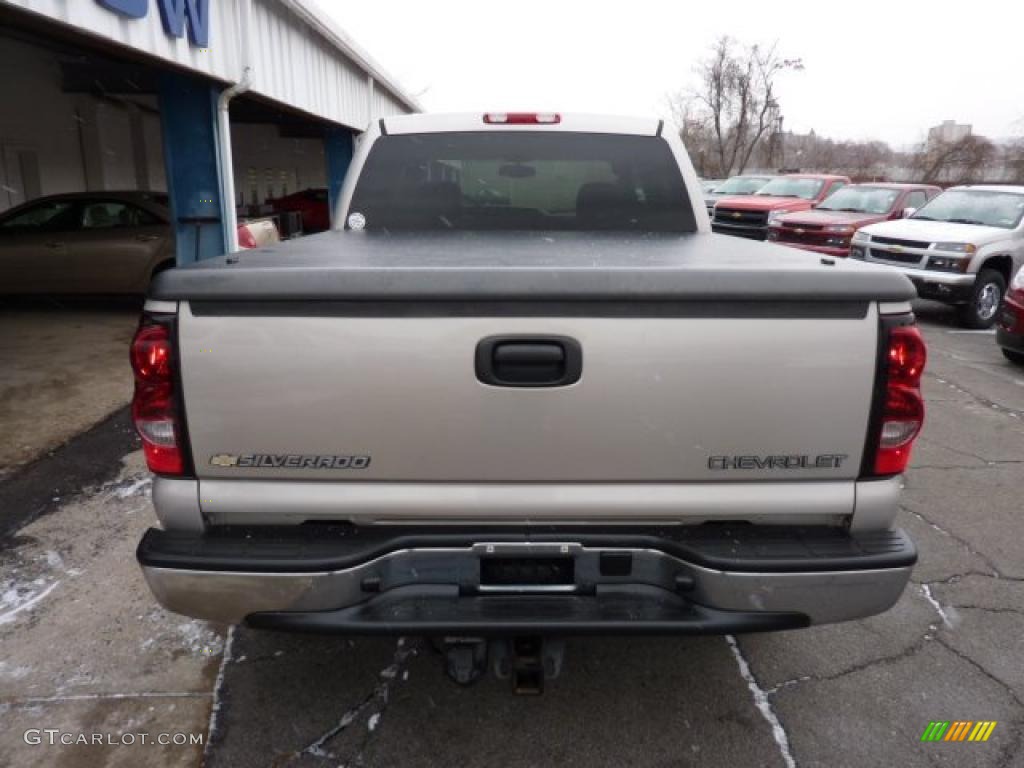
[908,212]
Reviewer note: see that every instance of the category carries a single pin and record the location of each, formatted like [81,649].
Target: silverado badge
[288,461]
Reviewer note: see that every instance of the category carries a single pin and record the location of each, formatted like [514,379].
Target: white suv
[961,248]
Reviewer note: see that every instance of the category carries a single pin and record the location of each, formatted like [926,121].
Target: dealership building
[222,104]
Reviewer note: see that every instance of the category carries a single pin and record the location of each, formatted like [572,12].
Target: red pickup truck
[751,216]
[830,225]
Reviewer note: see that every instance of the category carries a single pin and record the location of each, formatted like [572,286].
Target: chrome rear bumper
[781,575]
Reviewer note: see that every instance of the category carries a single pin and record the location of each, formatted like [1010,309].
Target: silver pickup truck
[523,391]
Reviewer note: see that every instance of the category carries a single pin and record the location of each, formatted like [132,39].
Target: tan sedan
[94,242]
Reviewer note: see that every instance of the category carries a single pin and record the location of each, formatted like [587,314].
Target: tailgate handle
[529,361]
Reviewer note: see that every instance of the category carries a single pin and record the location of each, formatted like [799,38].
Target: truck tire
[982,308]
[1014,357]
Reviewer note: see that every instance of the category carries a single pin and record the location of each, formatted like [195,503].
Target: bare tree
[1013,160]
[956,162]
[866,159]
[695,132]
[734,106]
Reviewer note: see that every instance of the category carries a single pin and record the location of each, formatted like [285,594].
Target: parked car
[311,203]
[828,227]
[708,186]
[95,242]
[961,248]
[737,186]
[752,215]
[494,426]
[257,232]
[1010,331]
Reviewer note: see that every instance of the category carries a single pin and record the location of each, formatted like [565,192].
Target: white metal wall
[68,142]
[297,67]
[300,59]
[268,165]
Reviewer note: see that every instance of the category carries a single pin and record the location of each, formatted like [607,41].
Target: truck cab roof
[523,121]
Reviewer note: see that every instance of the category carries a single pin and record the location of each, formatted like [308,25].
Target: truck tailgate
[663,399]
[341,380]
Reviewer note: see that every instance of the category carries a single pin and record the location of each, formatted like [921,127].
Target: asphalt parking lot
[85,648]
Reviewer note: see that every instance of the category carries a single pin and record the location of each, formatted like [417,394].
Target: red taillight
[245,238]
[907,355]
[522,118]
[151,354]
[154,408]
[903,408]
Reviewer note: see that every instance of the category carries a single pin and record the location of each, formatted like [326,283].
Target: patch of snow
[950,618]
[381,694]
[15,599]
[218,685]
[136,486]
[199,638]
[762,703]
[14,673]
[53,559]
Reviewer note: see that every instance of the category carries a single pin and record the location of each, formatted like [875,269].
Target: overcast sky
[874,69]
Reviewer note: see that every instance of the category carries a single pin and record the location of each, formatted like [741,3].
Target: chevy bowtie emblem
[897,248]
[737,215]
[224,460]
[799,231]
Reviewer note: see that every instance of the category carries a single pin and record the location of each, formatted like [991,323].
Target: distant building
[948,131]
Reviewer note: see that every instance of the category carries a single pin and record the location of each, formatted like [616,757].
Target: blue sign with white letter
[173,14]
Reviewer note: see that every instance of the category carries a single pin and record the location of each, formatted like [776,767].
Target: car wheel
[982,309]
[1014,357]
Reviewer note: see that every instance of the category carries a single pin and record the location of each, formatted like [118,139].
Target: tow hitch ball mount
[527,660]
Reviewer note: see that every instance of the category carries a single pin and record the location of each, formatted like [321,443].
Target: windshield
[792,187]
[742,185]
[974,206]
[519,180]
[861,200]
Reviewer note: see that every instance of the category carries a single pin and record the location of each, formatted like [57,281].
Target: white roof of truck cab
[474,121]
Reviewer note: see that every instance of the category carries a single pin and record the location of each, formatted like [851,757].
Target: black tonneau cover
[548,266]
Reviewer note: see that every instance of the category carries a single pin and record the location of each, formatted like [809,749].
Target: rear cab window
[521,180]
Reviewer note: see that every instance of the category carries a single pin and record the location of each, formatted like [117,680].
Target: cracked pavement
[855,694]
